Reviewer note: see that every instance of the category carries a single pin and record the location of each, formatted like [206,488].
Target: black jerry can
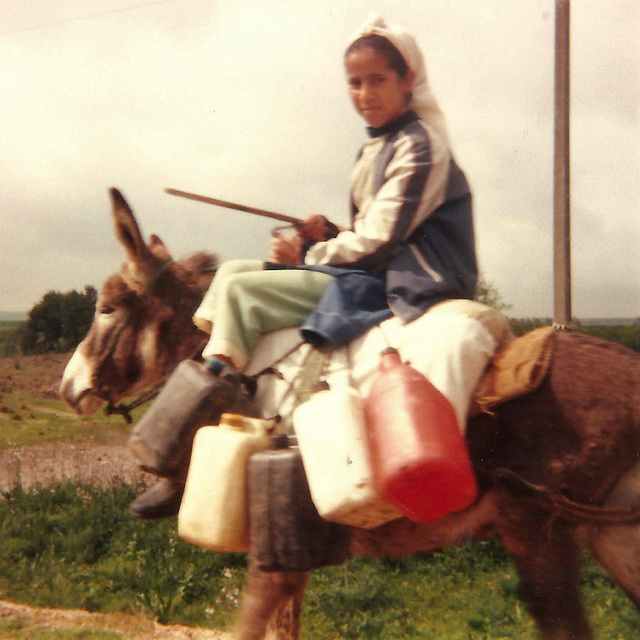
[286,531]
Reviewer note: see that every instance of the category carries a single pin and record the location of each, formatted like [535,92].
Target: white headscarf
[423,102]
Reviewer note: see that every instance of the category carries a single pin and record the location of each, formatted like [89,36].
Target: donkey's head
[142,326]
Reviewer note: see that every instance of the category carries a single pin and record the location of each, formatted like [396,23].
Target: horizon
[22,316]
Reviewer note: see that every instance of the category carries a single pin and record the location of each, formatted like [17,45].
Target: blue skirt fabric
[353,302]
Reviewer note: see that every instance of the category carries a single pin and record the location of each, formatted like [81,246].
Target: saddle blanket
[476,362]
[517,368]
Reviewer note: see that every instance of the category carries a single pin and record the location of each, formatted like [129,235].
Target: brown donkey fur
[545,462]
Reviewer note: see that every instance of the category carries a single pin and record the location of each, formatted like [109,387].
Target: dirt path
[19,621]
[50,462]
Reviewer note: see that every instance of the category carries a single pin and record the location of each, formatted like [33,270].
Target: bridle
[124,409]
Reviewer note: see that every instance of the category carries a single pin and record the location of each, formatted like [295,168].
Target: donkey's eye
[107,310]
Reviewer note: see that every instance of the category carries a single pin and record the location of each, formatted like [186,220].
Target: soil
[35,620]
[46,463]
[42,464]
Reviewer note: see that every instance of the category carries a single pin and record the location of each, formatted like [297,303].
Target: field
[75,565]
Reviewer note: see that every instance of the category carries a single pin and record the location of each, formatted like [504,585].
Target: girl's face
[377,91]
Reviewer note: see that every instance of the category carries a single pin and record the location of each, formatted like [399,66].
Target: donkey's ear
[127,230]
[158,248]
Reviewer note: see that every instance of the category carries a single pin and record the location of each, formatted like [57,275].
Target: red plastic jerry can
[420,458]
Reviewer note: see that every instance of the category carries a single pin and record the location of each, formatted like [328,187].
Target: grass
[31,411]
[465,593]
[28,420]
[75,546]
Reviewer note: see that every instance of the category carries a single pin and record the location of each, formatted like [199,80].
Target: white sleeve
[415,185]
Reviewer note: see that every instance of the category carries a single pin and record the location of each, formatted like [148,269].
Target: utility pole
[561,171]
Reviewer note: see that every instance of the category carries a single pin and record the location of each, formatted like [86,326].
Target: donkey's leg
[284,624]
[617,548]
[548,562]
[271,603]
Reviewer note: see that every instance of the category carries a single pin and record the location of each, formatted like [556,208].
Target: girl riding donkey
[410,244]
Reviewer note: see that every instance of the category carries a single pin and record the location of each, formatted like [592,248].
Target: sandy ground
[47,463]
[32,620]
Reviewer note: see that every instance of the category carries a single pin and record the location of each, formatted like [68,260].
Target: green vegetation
[75,546]
[487,293]
[55,324]
[626,335]
[21,630]
[26,420]
[464,593]
[9,337]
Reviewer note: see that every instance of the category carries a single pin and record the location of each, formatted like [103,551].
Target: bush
[487,293]
[58,322]
[10,336]
[626,335]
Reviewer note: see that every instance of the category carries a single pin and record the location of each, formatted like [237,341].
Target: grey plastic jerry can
[286,531]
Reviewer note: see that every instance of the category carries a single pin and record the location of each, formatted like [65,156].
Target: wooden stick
[238,207]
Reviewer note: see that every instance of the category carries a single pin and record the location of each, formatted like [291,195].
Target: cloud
[246,101]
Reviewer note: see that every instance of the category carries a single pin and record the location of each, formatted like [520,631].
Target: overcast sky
[245,100]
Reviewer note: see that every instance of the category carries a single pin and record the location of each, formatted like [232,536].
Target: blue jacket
[412,240]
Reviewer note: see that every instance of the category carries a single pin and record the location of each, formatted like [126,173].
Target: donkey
[558,468]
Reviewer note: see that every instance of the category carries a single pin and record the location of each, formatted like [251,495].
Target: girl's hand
[285,249]
[316,228]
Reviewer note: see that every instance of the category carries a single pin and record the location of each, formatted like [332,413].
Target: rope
[312,369]
[124,409]
[564,507]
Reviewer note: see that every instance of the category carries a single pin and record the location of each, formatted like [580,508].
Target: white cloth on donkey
[451,345]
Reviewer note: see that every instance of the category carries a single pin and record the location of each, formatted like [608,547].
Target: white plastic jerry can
[214,509]
[331,435]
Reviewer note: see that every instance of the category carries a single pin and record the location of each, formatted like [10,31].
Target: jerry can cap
[214,365]
[246,423]
[234,420]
